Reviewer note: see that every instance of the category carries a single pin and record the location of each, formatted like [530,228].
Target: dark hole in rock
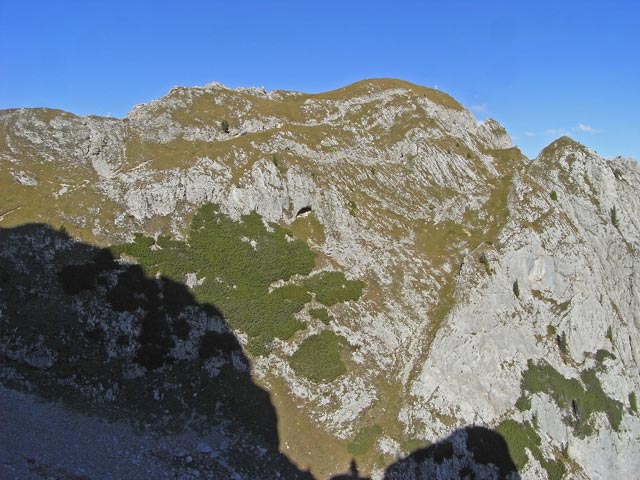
[303,211]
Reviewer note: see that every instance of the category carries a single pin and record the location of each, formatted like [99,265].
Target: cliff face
[496,290]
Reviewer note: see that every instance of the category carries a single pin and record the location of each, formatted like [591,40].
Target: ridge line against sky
[543,70]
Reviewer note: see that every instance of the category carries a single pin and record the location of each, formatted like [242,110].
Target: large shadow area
[107,338]
[471,453]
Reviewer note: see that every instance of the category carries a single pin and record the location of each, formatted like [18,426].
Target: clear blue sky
[542,68]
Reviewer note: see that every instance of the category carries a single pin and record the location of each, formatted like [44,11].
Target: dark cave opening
[303,211]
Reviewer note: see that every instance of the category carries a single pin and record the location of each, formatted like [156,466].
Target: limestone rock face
[499,291]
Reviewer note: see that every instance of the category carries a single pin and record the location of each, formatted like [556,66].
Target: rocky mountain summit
[367,276]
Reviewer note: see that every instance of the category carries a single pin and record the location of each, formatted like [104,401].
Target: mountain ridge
[462,243]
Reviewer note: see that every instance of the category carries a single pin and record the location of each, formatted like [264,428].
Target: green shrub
[516,289]
[237,275]
[519,437]
[364,440]
[602,355]
[614,217]
[224,126]
[523,403]
[556,470]
[554,195]
[561,340]
[333,287]
[483,259]
[319,357]
[320,314]
[633,402]
[586,394]
[239,262]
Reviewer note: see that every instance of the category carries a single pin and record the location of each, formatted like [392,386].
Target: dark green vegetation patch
[602,355]
[521,437]
[320,314]
[333,287]
[318,357]
[238,262]
[578,398]
[523,403]
[633,403]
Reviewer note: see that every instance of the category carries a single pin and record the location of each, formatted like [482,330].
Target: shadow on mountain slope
[107,338]
[472,452]
[469,453]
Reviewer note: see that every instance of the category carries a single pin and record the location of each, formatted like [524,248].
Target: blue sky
[543,69]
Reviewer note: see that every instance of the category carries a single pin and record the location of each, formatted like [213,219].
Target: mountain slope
[484,273]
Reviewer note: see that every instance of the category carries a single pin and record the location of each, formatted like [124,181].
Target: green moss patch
[521,437]
[578,398]
[333,287]
[319,358]
[523,403]
[602,355]
[633,403]
[320,314]
[237,262]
